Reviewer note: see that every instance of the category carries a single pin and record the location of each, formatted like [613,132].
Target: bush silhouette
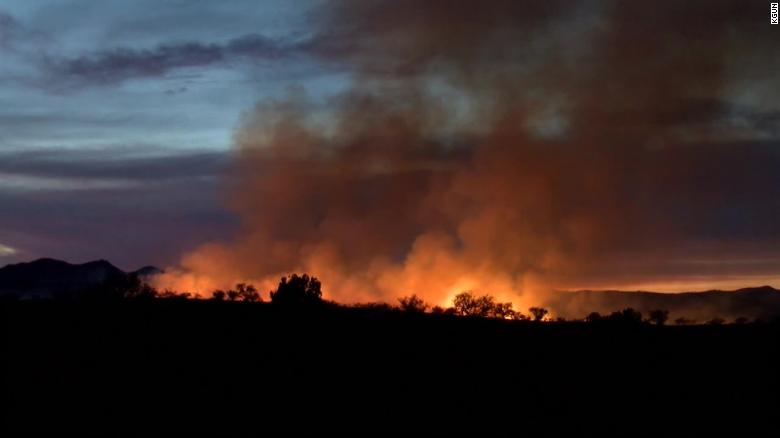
[413,304]
[504,311]
[626,316]
[123,287]
[174,295]
[247,292]
[218,295]
[593,317]
[658,317]
[298,290]
[466,304]
[538,313]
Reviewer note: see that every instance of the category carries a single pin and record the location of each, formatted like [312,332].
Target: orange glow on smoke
[439,170]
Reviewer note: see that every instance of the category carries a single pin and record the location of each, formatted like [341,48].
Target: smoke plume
[509,147]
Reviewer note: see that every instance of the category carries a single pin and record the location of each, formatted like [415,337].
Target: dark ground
[177,367]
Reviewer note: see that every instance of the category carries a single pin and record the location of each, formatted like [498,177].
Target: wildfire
[460,163]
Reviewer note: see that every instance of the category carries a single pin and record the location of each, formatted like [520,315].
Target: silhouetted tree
[538,313]
[467,304]
[503,311]
[486,305]
[626,316]
[658,317]
[232,295]
[716,321]
[593,317]
[218,295]
[413,303]
[298,290]
[437,309]
[123,287]
[247,292]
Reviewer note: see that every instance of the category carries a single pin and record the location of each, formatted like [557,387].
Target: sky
[385,145]
[116,119]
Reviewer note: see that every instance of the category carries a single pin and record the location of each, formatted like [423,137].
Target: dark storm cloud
[104,164]
[120,64]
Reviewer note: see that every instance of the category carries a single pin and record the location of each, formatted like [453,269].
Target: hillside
[194,368]
[49,278]
[758,302]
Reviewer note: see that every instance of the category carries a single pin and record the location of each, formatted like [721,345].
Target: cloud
[16,38]
[9,29]
[120,64]
[113,164]
[6,250]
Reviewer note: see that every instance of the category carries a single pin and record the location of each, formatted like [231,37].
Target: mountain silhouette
[48,278]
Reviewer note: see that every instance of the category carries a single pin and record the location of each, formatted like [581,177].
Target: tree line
[307,290]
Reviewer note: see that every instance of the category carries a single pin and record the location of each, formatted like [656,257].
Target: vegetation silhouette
[626,316]
[594,317]
[138,357]
[439,310]
[414,304]
[242,292]
[658,316]
[485,306]
[297,289]
[304,289]
[538,313]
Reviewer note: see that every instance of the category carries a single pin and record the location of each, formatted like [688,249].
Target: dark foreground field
[176,367]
